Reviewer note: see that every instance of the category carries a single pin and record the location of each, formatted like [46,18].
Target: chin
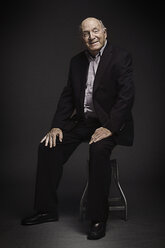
[96,48]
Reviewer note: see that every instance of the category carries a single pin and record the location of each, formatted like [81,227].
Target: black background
[38,40]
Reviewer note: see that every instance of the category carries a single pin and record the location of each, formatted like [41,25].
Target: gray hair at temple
[102,25]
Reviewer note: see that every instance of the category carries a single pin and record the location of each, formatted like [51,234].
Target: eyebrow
[92,29]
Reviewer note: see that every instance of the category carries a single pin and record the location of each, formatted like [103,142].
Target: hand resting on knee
[50,137]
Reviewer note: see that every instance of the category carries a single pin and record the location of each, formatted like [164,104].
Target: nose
[91,36]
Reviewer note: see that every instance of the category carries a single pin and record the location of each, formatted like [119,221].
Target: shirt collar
[89,56]
[102,49]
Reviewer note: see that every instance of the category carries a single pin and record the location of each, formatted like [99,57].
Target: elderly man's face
[93,35]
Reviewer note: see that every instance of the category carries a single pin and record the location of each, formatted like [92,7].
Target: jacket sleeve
[121,110]
[65,106]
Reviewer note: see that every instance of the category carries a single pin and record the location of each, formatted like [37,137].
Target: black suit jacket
[113,94]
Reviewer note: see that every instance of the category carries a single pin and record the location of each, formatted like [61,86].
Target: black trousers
[50,168]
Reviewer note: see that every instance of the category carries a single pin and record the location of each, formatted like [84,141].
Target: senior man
[95,107]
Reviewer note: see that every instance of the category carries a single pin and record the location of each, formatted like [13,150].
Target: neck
[94,53]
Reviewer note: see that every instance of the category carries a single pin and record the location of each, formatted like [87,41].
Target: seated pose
[95,107]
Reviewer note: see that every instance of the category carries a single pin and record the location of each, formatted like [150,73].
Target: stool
[115,203]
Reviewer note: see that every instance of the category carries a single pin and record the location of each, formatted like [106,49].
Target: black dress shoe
[40,218]
[97,231]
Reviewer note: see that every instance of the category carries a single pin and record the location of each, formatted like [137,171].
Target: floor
[144,228]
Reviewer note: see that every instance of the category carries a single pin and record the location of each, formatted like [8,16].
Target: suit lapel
[83,77]
[104,61]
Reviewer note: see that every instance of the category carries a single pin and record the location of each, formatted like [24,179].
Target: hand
[99,134]
[50,137]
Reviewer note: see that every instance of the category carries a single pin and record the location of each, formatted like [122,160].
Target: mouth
[93,43]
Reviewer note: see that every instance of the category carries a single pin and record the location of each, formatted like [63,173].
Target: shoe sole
[95,238]
[39,222]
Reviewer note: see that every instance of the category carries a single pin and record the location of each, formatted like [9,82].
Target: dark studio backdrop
[38,40]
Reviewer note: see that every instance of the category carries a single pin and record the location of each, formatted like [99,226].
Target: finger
[54,140]
[50,141]
[43,139]
[103,136]
[100,135]
[97,135]
[61,136]
[97,130]
[91,141]
[93,137]
[98,139]
[47,140]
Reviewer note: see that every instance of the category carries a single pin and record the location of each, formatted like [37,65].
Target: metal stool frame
[122,201]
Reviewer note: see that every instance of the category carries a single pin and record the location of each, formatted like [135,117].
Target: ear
[105,32]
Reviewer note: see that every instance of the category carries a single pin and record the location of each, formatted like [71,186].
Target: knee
[97,147]
[42,147]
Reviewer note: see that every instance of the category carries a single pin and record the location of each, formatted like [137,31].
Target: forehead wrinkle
[88,30]
[87,25]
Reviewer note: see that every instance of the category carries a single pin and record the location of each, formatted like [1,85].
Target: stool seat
[115,203]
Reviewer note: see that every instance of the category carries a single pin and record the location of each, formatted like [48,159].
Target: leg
[49,171]
[99,179]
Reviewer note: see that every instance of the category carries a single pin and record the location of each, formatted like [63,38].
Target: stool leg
[83,203]
[115,174]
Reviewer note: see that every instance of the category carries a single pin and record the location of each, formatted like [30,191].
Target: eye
[85,34]
[95,30]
